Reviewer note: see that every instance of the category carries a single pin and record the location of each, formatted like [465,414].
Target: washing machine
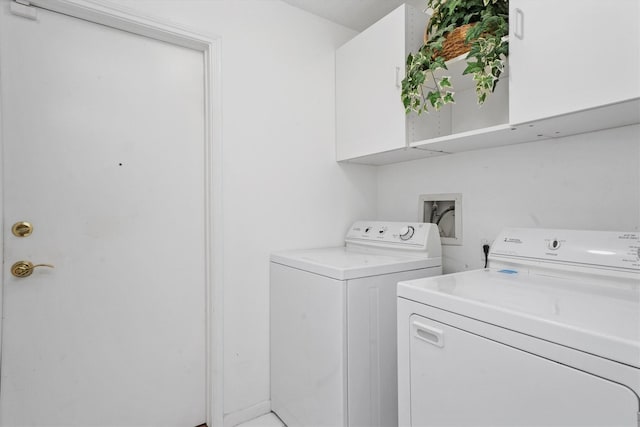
[333,324]
[548,335]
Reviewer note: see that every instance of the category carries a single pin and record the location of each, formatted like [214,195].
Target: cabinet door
[571,55]
[370,117]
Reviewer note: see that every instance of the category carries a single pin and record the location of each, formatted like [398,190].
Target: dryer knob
[406,232]
[554,244]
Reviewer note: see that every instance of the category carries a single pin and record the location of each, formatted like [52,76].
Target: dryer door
[462,379]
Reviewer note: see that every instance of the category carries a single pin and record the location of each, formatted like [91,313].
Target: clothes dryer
[549,335]
[333,324]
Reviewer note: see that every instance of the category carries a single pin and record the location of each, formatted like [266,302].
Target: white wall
[282,188]
[589,181]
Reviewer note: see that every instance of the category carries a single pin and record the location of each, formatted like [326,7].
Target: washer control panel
[609,250]
[405,235]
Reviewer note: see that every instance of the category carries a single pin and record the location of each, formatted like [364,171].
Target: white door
[103,135]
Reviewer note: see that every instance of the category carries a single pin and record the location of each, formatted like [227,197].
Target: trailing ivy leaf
[445,82]
[448,98]
[439,63]
[435,46]
[473,67]
[435,99]
[452,4]
[474,32]
[409,59]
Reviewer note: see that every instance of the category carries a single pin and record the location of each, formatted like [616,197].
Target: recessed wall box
[444,210]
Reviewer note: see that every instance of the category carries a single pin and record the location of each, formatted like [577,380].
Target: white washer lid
[344,263]
[601,318]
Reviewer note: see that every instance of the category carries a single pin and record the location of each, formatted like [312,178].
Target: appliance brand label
[628,236]
[512,240]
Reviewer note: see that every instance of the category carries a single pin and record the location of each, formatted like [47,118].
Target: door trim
[130,20]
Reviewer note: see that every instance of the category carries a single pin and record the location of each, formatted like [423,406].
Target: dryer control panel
[417,236]
[604,250]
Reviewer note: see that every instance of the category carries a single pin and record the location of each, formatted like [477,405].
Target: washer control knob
[406,232]
[554,244]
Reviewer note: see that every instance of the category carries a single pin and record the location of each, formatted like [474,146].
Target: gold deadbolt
[22,229]
[25,268]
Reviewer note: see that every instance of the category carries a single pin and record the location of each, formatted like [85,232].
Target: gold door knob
[25,268]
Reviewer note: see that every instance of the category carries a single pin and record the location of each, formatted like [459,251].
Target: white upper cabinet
[574,67]
[571,55]
[370,117]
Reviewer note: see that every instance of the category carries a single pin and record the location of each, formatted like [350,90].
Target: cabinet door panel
[369,114]
[572,55]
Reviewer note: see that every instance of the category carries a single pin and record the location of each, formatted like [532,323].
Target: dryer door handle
[428,334]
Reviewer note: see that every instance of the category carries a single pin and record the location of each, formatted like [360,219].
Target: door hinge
[23,8]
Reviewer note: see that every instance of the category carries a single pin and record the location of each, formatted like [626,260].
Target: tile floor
[268,420]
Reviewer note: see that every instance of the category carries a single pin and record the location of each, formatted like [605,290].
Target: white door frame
[105,13]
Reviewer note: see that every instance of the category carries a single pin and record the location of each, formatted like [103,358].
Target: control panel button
[382,230]
[406,232]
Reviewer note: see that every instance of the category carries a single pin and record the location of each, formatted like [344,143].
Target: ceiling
[354,14]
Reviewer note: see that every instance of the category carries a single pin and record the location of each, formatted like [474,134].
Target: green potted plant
[481,27]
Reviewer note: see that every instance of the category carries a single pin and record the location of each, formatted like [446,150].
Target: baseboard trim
[232,419]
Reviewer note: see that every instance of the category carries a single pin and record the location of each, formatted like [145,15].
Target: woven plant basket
[454,44]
